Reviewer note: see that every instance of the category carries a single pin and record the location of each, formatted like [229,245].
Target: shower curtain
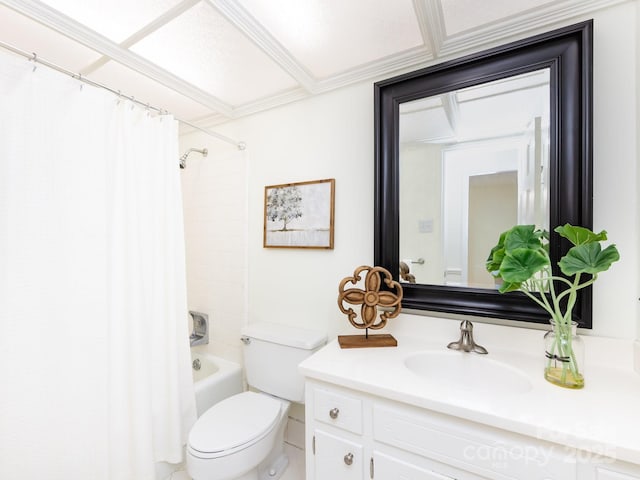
[95,378]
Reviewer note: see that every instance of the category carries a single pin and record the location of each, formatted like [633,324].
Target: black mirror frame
[568,53]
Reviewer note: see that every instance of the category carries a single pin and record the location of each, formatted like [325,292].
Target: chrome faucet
[200,334]
[466,342]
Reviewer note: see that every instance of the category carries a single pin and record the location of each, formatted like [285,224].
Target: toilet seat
[234,424]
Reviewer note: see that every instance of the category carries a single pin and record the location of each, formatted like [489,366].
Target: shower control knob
[333,413]
[348,458]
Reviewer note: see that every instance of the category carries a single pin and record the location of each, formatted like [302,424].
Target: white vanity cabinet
[356,435]
[371,417]
[336,443]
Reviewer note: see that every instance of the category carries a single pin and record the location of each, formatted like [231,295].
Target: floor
[295,470]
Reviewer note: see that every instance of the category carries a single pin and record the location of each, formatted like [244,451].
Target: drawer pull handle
[348,458]
[333,413]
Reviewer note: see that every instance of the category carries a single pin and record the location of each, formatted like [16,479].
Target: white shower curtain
[95,379]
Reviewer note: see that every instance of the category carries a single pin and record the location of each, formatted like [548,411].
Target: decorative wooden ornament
[370,298]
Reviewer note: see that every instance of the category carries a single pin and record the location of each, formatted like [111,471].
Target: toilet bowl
[236,436]
[242,437]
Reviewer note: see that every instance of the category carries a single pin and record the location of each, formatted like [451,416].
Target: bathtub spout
[200,334]
[197,340]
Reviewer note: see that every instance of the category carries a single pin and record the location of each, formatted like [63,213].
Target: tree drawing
[284,204]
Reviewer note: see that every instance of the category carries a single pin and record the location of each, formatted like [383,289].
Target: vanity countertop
[602,418]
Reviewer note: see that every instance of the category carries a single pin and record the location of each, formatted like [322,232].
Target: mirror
[468,148]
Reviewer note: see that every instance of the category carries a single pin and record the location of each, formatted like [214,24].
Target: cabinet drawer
[475,448]
[338,409]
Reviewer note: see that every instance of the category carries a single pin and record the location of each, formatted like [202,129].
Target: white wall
[615,124]
[331,136]
[421,196]
[637,161]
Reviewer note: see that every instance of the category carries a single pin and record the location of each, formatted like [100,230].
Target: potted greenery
[521,262]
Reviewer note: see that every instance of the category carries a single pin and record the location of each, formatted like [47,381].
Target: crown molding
[521,24]
[390,65]
[272,101]
[257,106]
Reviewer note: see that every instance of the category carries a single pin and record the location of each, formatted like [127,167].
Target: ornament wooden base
[364,341]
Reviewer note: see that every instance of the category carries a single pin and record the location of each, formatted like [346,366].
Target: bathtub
[214,379]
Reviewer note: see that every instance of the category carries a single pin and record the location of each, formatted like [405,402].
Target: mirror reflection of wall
[473,162]
[421,211]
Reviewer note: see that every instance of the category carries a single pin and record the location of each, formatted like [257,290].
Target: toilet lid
[233,422]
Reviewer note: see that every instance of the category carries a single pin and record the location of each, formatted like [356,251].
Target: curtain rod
[33,57]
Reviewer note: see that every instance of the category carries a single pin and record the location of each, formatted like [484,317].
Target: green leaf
[509,287]
[495,260]
[580,235]
[588,258]
[523,236]
[496,255]
[521,264]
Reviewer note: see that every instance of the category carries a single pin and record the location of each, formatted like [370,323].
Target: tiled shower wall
[215,222]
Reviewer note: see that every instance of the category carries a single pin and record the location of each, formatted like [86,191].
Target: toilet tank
[272,353]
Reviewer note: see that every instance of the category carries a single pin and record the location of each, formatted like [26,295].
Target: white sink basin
[467,371]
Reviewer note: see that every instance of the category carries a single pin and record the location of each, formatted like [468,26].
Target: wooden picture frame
[299,215]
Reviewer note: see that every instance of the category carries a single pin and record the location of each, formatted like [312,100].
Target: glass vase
[564,352]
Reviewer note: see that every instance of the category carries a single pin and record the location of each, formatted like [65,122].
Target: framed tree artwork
[299,215]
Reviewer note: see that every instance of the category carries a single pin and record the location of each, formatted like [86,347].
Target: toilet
[242,437]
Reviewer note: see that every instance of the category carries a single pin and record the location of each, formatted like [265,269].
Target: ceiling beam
[68,27]
[431,23]
[451,109]
[256,33]
[147,30]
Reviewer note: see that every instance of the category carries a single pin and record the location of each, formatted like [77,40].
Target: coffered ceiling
[208,61]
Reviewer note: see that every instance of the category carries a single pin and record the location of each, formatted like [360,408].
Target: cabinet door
[337,458]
